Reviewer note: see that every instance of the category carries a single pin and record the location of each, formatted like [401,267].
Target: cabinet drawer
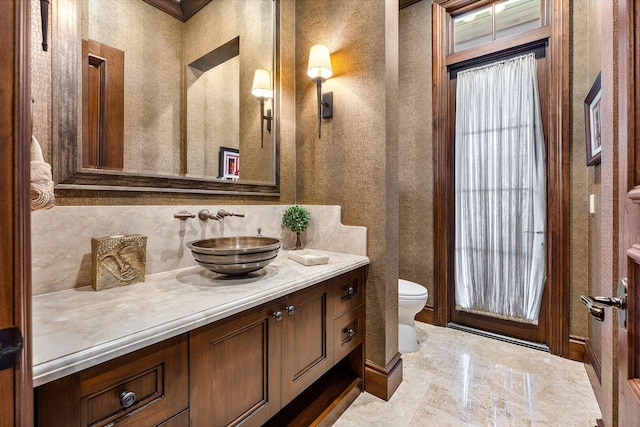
[348,291]
[348,332]
[180,420]
[143,388]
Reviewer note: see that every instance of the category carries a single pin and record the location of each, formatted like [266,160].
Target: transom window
[499,20]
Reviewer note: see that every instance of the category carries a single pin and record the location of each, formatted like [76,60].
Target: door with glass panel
[500,196]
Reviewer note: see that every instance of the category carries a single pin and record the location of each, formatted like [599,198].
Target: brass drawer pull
[127,399]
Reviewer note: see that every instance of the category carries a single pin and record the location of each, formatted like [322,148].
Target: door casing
[556,34]
[16,384]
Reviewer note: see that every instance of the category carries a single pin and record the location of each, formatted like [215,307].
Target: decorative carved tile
[118,260]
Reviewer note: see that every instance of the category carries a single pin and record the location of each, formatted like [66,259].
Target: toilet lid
[411,289]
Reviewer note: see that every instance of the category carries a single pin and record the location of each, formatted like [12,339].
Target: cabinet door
[234,367]
[307,339]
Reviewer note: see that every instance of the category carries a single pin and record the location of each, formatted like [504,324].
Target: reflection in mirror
[221,54]
[213,108]
[185,91]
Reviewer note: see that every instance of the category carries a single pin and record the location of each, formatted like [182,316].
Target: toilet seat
[411,291]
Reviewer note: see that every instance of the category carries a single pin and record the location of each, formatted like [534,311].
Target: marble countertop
[79,328]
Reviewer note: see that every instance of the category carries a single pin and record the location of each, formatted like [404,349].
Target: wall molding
[426,315]
[577,348]
[383,381]
[591,361]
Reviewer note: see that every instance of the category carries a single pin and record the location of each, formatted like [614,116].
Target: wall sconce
[261,89]
[319,69]
[44,19]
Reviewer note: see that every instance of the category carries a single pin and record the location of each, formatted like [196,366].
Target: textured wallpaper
[585,62]
[354,164]
[415,148]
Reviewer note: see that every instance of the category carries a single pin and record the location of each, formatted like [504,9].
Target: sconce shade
[261,87]
[319,63]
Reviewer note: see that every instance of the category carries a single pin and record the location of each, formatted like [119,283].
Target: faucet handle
[222,213]
[184,215]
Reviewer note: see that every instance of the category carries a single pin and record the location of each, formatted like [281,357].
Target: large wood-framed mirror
[186,96]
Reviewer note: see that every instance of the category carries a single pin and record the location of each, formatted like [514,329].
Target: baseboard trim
[426,315]
[577,348]
[383,381]
[591,361]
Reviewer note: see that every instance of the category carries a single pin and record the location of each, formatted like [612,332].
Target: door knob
[596,305]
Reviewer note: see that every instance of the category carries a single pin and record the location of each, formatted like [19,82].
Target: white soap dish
[308,257]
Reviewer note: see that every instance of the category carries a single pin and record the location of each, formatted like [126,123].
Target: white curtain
[500,195]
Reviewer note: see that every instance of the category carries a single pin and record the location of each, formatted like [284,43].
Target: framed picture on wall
[229,167]
[593,123]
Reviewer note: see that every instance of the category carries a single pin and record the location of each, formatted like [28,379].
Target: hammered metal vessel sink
[235,255]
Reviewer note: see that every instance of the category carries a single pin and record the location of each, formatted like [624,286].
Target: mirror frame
[67,113]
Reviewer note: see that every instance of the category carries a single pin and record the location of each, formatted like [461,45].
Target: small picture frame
[593,123]
[229,167]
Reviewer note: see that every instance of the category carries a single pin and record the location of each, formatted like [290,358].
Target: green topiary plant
[296,219]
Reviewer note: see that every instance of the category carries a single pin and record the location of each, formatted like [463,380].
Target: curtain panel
[500,191]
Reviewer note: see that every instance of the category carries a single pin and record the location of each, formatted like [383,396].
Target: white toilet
[411,299]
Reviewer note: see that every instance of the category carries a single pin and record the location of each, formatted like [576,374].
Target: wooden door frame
[625,69]
[15,240]
[556,33]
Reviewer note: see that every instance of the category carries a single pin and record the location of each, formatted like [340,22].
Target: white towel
[41,191]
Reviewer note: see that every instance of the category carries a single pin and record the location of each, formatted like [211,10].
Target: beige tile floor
[461,379]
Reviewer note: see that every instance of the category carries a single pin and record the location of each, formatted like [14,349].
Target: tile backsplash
[61,237]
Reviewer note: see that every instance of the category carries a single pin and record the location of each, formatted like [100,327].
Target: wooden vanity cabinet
[148,387]
[297,360]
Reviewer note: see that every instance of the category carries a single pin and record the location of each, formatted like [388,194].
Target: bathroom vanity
[190,347]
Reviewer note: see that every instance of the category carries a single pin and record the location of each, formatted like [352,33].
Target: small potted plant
[296,219]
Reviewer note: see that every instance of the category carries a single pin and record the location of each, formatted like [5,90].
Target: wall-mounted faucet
[204,215]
